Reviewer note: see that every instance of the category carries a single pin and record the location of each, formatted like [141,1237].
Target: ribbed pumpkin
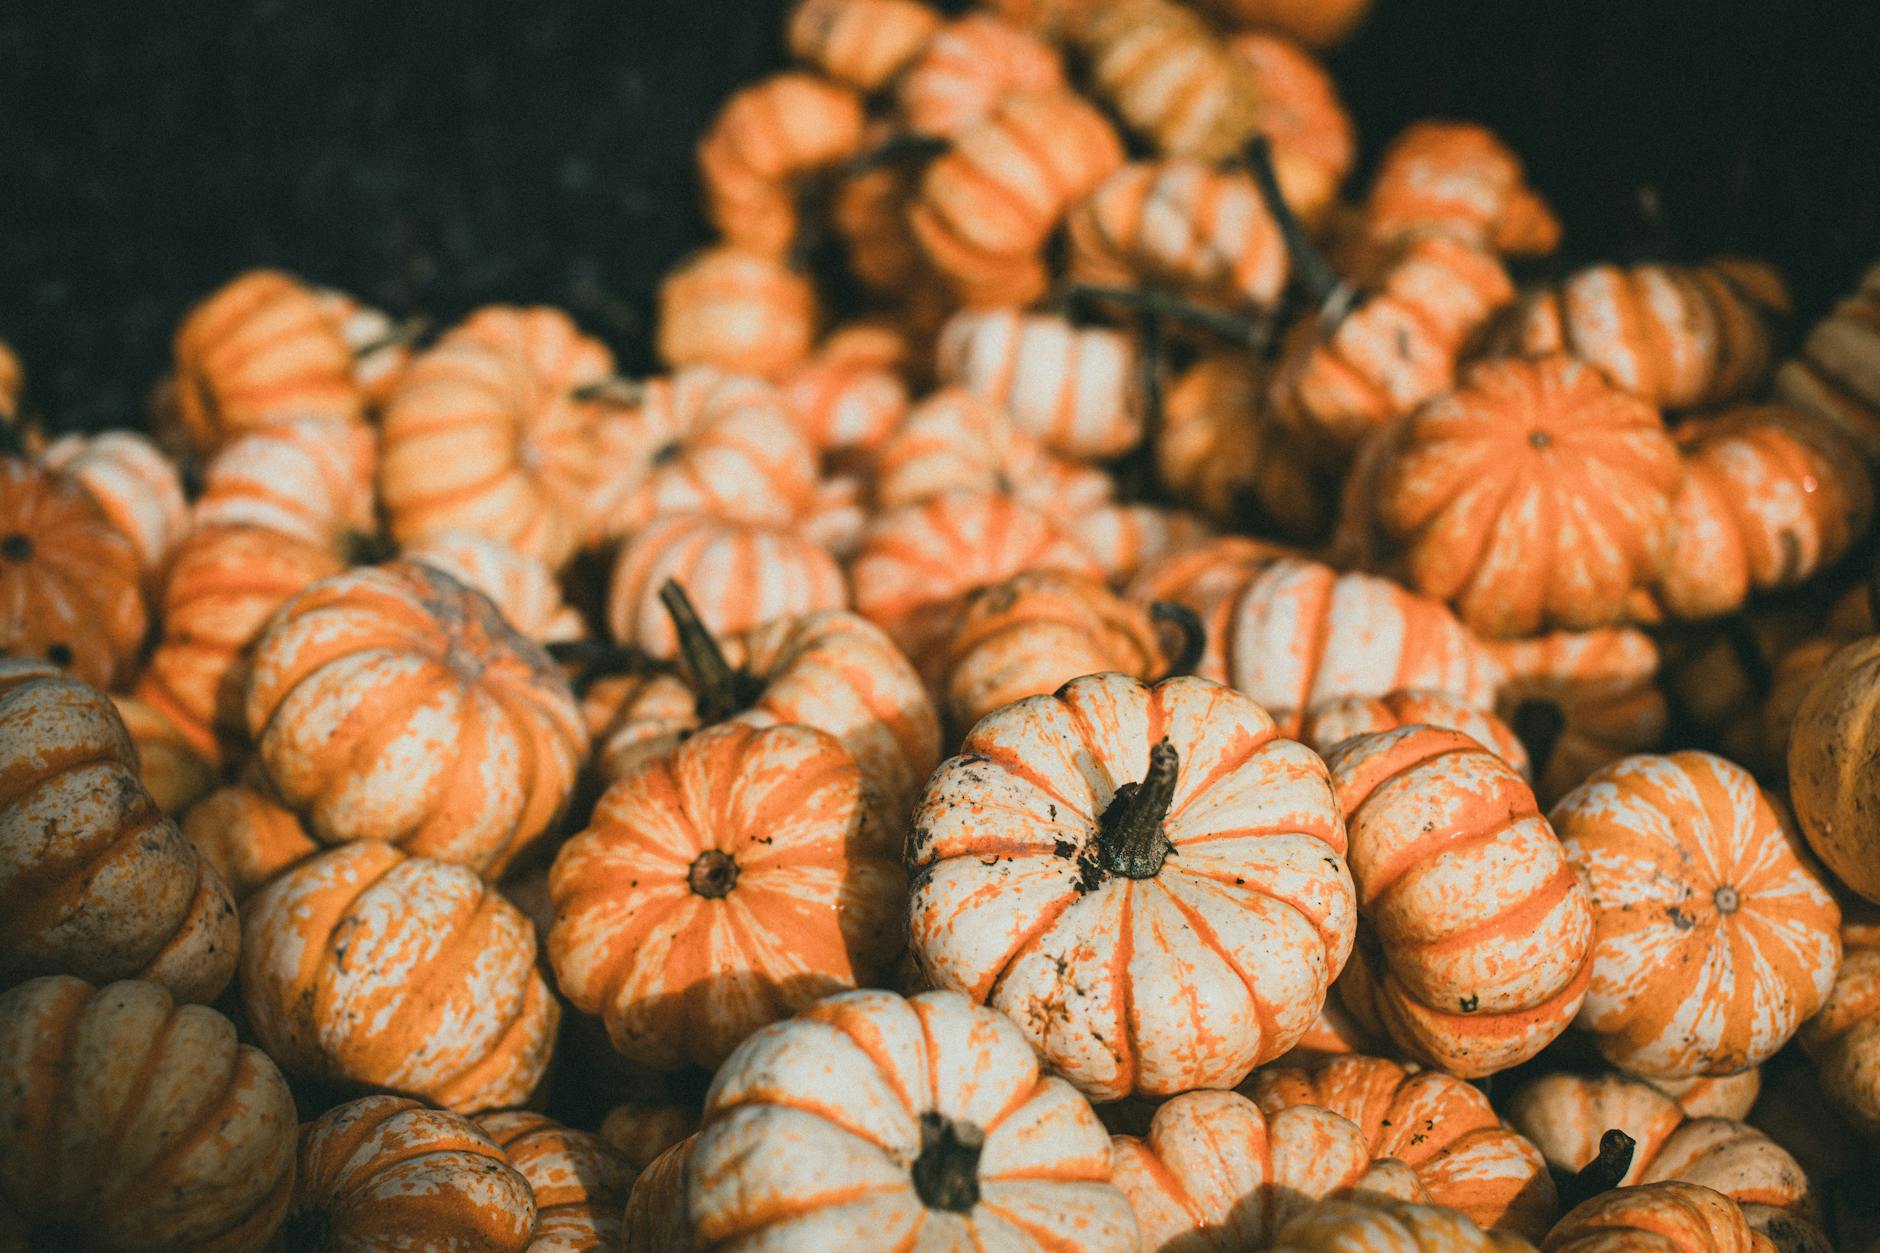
[1125,540]
[384,1172]
[1726,1096]
[94,880]
[367,967]
[1715,934]
[1389,1223]
[247,835]
[1837,372]
[135,485]
[130,1122]
[1675,336]
[738,310]
[1330,723]
[1318,23]
[1834,793]
[579,1181]
[381,348]
[1475,938]
[766,138]
[70,581]
[970,65]
[1674,1217]
[1442,1128]
[1579,699]
[1314,141]
[721,888]
[868,213]
[642,1130]
[864,43]
[522,588]
[1844,1038]
[851,394]
[1536,495]
[1457,178]
[394,703]
[168,764]
[311,481]
[1070,387]
[1148,880]
[1170,78]
[930,1125]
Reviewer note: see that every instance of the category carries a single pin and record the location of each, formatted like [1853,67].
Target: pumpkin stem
[712,874]
[1130,835]
[1185,638]
[612,390]
[722,690]
[946,1174]
[593,659]
[1313,272]
[905,148]
[1242,332]
[408,331]
[1538,724]
[1603,1173]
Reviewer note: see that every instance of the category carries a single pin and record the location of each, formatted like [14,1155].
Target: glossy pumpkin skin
[1021,901]
[365,966]
[1476,939]
[169,766]
[1070,387]
[1220,451]
[1458,178]
[384,1173]
[247,835]
[1674,1217]
[1716,935]
[722,888]
[306,479]
[94,880]
[1534,496]
[70,581]
[135,485]
[744,312]
[128,1121]
[523,588]
[767,137]
[1598,686]
[970,65]
[889,1097]
[1389,1224]
[1837,372]
[1835,796]
[1331,723]
[579,1181]
[394,703]
[1442,1128]
[864,43]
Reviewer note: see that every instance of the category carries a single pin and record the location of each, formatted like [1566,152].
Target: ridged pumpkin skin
[130,1122]
[1836,796]
[384,1173]
[1314,142]
[1457,178]
[1126,539]
[1170,78]
[1715,933]
[1475,938]
[969,65]
[1388,1224]
[1844,1038]
[864,43]
[523,588]
[94,880]
[852,394]
[767,137]
[1837,372]
[136,486]
[740,311]
[1332,722]
[175,774]
[1070,387]
[1728,1096]
[71,583]
[1598,687]
[394,703]
[247,835]
[579,1181]
[310,480]
[1667,1217]
[927,1124]
[721,888]
[1442,1128]
[1025,897]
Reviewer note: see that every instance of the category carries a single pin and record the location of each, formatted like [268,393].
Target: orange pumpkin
[1334,1033]
[738,310]
[135,485]
[987,205]
[1127,539]
[1715,933]
[721,888]
[1457,178]
[70,581]
[1314,141]
[1170,78]
[119,1095]
[1330,723]
[868,212]
[385,1172]
[1442,1128]
[1068,386]
[394,703]
[766,138]
[642,1130]
[967,68]
[579,1182]
[850,395]
[1834,793]
[1844,1038]
[1380,1218]
[1114,819]
[247,835]
[1675,1217]
[1534,496]
[1837,372]
[1675,336]
[12,381]
[367,967]
[864,43]
[1318,23]
[311,481]
[522,587]
[1475,938]
[94,880]
[1579,700]
[381,348]
[1725,1096]
[168,765]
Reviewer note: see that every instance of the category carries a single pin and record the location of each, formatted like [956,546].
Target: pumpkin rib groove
[55,1100]
[137,1093]
[1209,939]
[1412,856]
[1021,943]
[1006,759]
[206,1122]
[1355,797]
[1547,894]
[365,733]
[1128,1066]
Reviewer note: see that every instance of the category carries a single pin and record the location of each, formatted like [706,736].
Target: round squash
[864,43]
[1836,797]
[741,311]
[579,1181]
[1579,700]
[1389,1223]
[1672,1217]
[1330,723]
[851,395]
[967,68]
[1070,387]
[171,769]
[523,588]
[1458,178]
[1844,1038]
[768,137]
[136,486]
[247,835]
[311,481]
[1837,372]
[1170,78]
[1127,539]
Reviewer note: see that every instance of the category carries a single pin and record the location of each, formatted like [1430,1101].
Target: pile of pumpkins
[1197,714]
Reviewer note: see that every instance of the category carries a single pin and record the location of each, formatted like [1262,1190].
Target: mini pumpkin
[1579,700]
[131,1122]
[1383,1221]
[579,1182]
[247,835]
[168,765]
[1675,1217]
[1313,139]
[768,137]
[851,394]
[640,1131]
[864,43]
[1459,179]
[1127,539]
[967,68]
[1834,795]
[1317,23]
[306,479]
[1724,1096]
[1170,78]
[1330,723]
[741,311]
[522,588]
[1068,386]
[1843,1039]
[1837,372]
[135,485]
[1117,818]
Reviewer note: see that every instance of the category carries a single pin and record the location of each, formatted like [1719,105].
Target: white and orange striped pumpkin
[580,1182]
[247,835]
[310,480]
[768,138]
[738,310]
[523,588]
[1671,1216]
[1836,374]
[864,43]
[1071,387]
[135,484]
[967,68]
[1330,723]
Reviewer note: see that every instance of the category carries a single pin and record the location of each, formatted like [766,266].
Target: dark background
[434,156]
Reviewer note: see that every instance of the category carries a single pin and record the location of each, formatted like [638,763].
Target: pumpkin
[131,1122]
[12,381]
[1171,825]
[1579,700]
[1675,336]
[1674,1217]
[1442,1128]
[642,1130]
[863,43]
[309,480]
[766,137]
[541,337]
[1724,1096]
[1068,386]
[222,587]
[918,563]
[1533,496]
[1330,723]
[1475,938]
[168,765]
[1844,1038]
[384,1172]
[1715,934]
[868,213]
[1036,631]
[365,966]
[931,1125]
[135,485]
[94,880]
[522,587]
[1127,539]
[1334,1033]
[70,581]
[838,514]
[381,348]
[1770,496]
[1388,1224]
[850,395]
[1220,451]
[739,576]
[394,703]
[702,441]
[967,68]
[1184,225]
[247,835]
[579,1181]
[1316,23]
[259,348]
[741,311]
[1169,78]
[1837,372]
[985,207]
[1834,795]
[1459,179]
